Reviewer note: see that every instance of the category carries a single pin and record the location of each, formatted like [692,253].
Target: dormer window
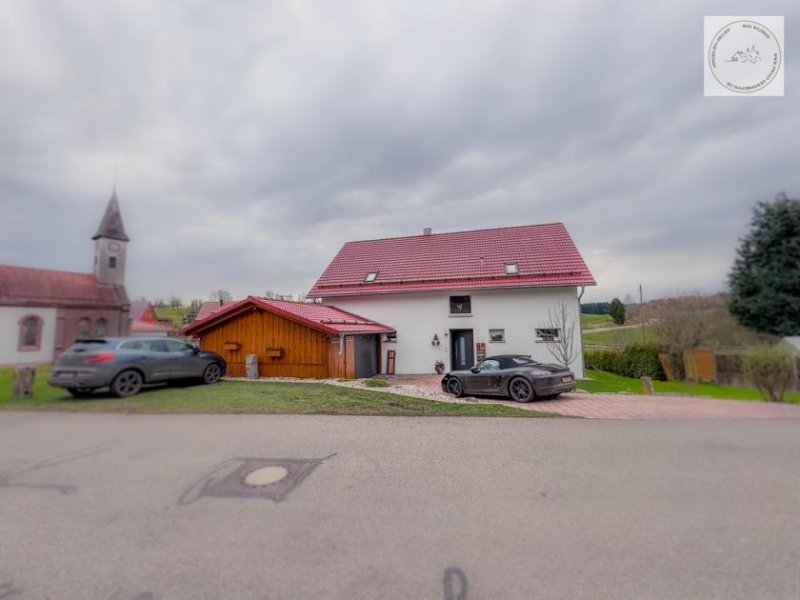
[512,269]
[371,276]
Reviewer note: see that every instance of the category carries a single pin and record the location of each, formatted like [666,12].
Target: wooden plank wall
[305,350]
[342,365]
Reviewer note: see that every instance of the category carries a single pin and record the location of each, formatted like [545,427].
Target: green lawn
[251,398]
[176,314]
[600,381]
[618,337]
[594,321]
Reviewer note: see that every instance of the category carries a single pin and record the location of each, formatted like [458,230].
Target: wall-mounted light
[435,340]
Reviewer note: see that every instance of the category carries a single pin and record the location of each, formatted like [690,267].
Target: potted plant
[439,366]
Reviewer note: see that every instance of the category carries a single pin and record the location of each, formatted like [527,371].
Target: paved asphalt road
[115,507]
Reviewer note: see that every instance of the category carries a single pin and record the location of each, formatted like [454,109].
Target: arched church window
[30,333]
[84,326]
[100,327]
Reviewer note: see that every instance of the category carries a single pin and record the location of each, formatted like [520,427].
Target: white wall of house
[10,317]
[418,316]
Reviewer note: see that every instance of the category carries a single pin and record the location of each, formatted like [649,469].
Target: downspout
[580,328]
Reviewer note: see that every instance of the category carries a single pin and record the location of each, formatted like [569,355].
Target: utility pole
[641,313]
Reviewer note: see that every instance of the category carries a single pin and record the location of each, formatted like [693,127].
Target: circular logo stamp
[744,56]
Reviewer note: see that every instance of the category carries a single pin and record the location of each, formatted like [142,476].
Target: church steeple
[111,226]
[110,243]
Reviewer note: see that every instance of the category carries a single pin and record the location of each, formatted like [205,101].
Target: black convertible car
[514,375]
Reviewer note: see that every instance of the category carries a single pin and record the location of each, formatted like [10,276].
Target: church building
[42,311]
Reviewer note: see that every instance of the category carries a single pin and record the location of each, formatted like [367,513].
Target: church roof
[111,226]
[21,286]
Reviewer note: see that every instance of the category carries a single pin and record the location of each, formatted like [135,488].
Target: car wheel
[81,392]
[521,390]
[127,383]
[454,387]
[212,373]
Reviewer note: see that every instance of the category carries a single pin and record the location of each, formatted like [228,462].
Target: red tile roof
[545,256]
[327,319]
[138,308]
[209,308]
[41,287]
[139,326]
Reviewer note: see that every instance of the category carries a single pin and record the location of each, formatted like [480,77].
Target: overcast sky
[252,139]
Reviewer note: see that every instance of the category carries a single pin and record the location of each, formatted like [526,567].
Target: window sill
[460,315]
[497,341]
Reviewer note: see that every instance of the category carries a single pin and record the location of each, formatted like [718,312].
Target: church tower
[110,244]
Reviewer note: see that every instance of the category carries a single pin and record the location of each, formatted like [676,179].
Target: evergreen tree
[765,279]
[617,311]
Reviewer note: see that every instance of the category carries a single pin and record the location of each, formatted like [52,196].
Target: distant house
[455,297]
[209,308]
[292,339]
[43,311]
[144,320]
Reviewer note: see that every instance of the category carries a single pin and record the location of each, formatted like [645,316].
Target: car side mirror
[475,370]
[195,350]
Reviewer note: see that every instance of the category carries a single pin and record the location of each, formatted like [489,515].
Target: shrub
[770,369]
[636,360]
[617,311]
[377,383]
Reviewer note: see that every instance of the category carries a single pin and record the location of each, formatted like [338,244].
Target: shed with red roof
[292,339]
[456,297]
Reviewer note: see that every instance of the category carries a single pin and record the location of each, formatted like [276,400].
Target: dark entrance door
[462,352]
[366,350]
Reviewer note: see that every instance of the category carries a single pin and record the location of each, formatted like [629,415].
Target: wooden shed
[292,339]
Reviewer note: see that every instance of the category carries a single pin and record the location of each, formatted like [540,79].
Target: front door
[366,351]
[462,354]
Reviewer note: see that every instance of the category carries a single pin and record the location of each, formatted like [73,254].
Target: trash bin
[251,366]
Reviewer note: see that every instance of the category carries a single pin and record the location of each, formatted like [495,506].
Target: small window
[512,269]
[30,333]
[84,326]
[460,305]
[371,276]
[112,262]
[497,335]
[100,327]
[547,334]
[391,337]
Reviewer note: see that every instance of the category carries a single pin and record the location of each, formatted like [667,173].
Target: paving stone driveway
[627,406]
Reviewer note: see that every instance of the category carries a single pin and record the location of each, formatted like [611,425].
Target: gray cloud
[253,139]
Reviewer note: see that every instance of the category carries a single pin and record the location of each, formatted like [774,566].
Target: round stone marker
[265,476]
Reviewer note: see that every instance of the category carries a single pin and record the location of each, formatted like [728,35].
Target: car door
[184,360]
[486,379]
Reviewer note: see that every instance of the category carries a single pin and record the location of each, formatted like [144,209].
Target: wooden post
[22,383]
[647,385]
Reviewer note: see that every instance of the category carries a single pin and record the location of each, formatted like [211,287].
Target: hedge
[636,360]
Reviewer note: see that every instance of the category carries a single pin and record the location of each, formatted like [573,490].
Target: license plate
[65,374]
[566,379]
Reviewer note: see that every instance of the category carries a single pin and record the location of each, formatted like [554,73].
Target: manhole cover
[272,478]
[265,475]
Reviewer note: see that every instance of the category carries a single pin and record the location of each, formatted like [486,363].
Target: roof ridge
[445,233]
[61,271]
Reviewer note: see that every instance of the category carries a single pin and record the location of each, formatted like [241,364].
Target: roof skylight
[371,276]
[512,269]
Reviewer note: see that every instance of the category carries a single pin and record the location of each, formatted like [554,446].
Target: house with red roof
[291,339]
[43,311]
[458,297]
[145,322]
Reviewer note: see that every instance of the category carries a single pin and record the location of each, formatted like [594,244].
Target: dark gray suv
[124,364]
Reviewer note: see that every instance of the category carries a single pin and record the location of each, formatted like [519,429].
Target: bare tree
[561,344]
[175,302]
[221,296]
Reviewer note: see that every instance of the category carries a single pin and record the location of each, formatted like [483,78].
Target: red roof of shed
[545,255]
[41,287]
[328,319]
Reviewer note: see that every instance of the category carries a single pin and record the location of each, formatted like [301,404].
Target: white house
[457,297]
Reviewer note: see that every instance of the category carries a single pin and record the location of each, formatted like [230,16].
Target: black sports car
[514,375]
